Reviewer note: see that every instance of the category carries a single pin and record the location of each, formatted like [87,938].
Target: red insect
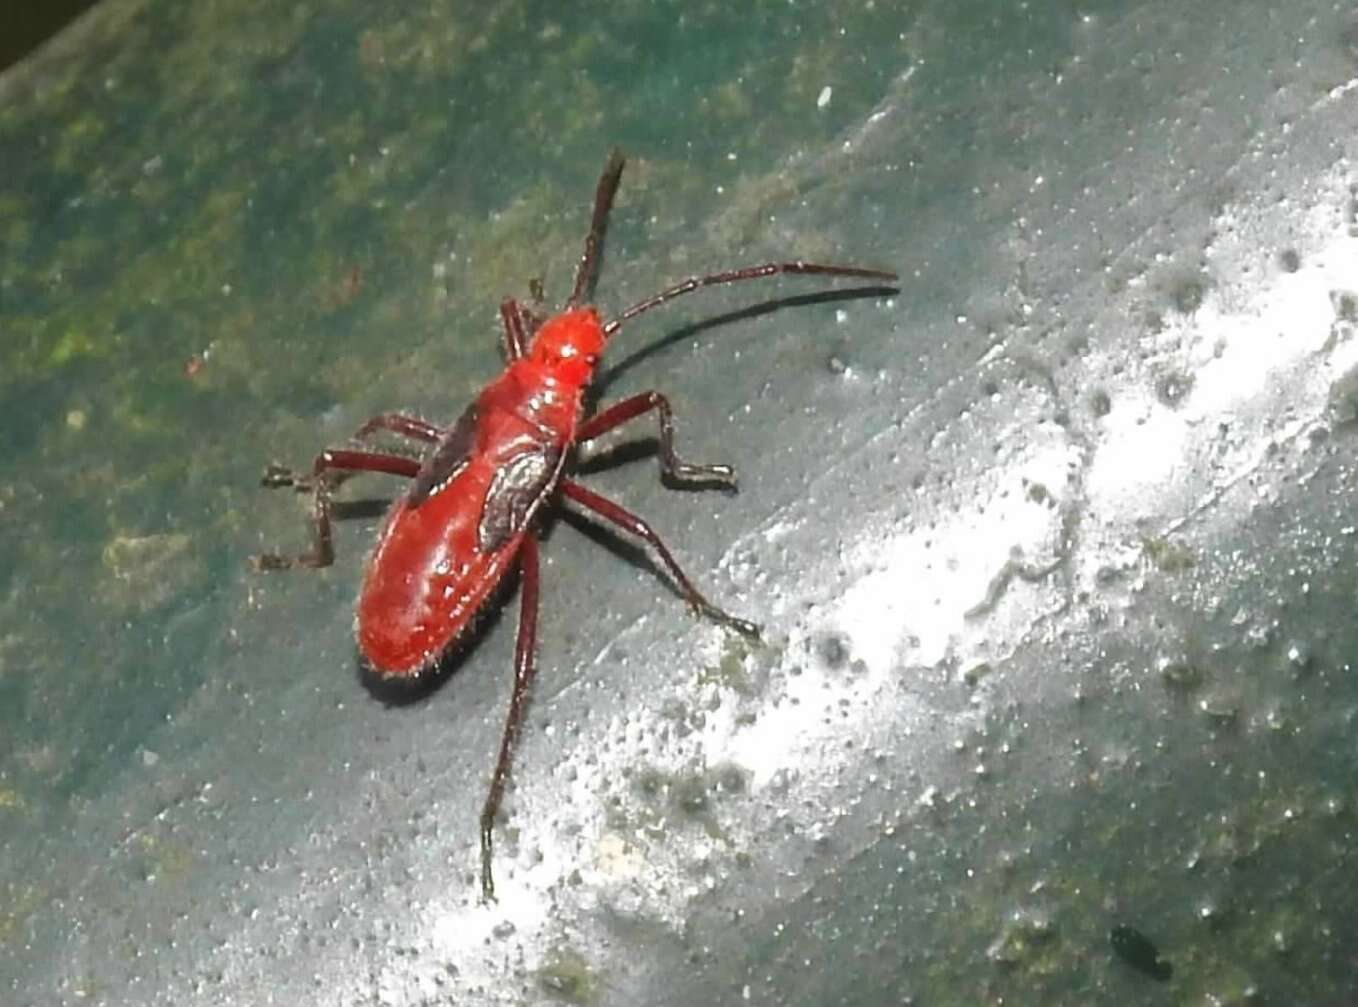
[469,518]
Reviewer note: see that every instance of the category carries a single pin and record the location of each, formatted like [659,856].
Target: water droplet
[1187,296]
[833,650]
[1180,675]
[1173,388]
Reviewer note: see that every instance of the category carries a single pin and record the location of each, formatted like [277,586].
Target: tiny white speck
[841,316]
[823,98]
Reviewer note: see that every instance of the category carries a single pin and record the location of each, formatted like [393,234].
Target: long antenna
[603,202]
[736,276]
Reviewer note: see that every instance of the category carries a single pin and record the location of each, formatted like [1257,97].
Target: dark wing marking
[515,490]
[448,459]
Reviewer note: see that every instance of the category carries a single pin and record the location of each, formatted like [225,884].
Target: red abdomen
[448,543]
[427,579]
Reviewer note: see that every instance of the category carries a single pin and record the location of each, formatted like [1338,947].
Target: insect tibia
[721,476]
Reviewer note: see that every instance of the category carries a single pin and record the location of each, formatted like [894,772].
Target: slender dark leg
[402,425]
[671,465]
[603,201]
[515,337]
[276,476]
[524,669]
[736,276]
[533,316]
[628,521]
[320,482]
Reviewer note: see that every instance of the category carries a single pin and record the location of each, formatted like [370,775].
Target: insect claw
[487,879]
[276,476]
[723,476]
[744,627]
[267,561]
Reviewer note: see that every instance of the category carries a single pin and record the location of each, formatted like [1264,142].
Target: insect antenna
[588,269]
[736,276]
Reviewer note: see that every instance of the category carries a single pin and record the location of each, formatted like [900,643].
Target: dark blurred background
[27,25]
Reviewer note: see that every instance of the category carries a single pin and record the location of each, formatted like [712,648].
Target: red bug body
[468,517]
[437,558]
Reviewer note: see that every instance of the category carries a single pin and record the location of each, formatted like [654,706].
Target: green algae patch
[567,977]
[146,571]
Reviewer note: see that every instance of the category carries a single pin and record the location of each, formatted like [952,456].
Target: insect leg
[533,317]
[401,424]
[603,202]
[628,521]
[524,669]
[416,429]
[515,334]
[330,464]
[671,465]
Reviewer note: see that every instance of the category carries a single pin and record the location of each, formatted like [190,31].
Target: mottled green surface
[231,231]
[220,221]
